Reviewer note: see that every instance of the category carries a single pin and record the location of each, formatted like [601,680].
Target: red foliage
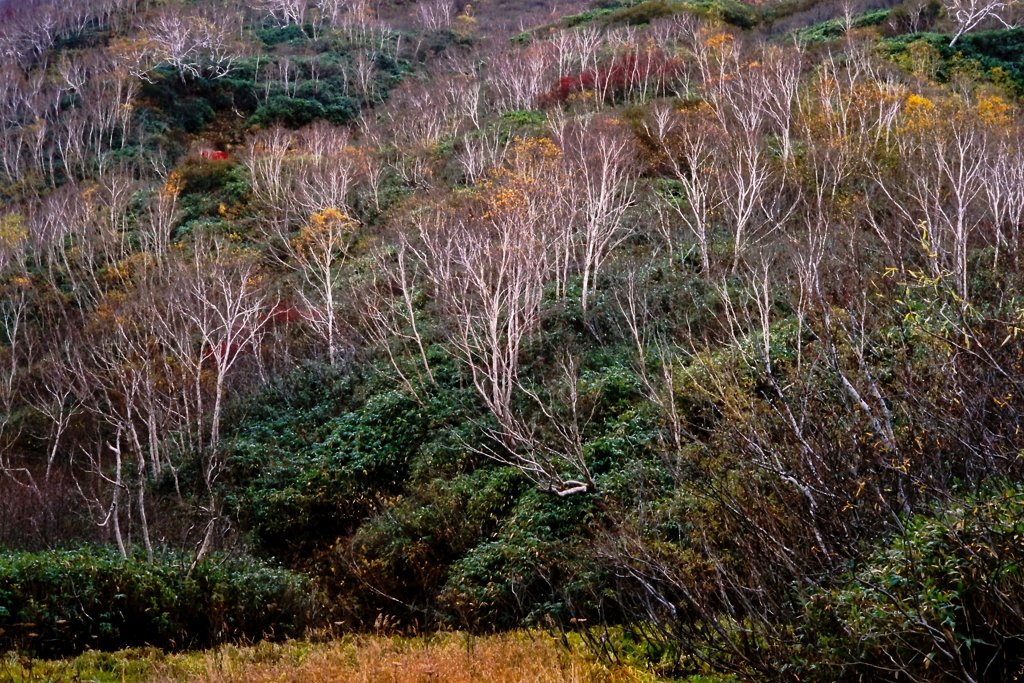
[626,73]
[284,313]
[567,85]
[213,155]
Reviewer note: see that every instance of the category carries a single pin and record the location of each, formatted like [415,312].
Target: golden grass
[451,658]
[520,657]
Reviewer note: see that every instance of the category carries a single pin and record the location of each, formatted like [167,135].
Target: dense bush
[190,106]
[275,35]
[293,494]
[734,13]
[532,570]
[993,55]
[942,599]
[834,29]
[339,474]
[307,106]
[59,602]
[731,12]
[643,13]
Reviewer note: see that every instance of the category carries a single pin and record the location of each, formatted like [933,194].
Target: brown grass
[451,658]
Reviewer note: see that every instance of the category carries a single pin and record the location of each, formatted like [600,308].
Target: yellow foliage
[582,97]
[994,111]
[174,185]
[919,114]
[1001,78]
[923,59]
[12,231]
[465,22]
[718,40]
[328,218]
[532,173]
[536,151]
[917,103]
[328,227]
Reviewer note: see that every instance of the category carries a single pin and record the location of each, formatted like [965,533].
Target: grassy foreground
[522,657]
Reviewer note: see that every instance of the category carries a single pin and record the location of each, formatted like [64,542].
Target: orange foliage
[530,178]
[994,111]
[327,227]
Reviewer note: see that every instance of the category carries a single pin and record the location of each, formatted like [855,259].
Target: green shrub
[525,118]
[406,551]
[275,35]
[534,568]
[833,29]
[205,175]
[294,491]
[731,12]
[574,20]
[644,13]
[183,106]
[59,602]
[293,112]
[997,54]
[943,599]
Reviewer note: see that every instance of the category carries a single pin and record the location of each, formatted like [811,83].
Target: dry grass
[451,658]
[521,657]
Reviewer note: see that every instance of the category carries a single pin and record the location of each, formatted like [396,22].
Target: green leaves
[60,602]
[945,594]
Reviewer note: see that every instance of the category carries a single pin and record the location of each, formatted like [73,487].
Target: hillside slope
[694,320]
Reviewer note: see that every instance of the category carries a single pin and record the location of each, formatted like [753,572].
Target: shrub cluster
[944,598]
[61,602]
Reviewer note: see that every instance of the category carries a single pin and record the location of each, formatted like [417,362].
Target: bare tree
[692,147]
[602,181]
[15,341]
[393,320]
[171,33]
[268,172]
[193,43]
[489,266]
[435,14]
[285,11]
[779,77]
[481,151]
[1004,190]
[57,398]
[968,14]
[318,252]
[517,79]
[323,169]
[464,95]
[364,70]
[228,310]
[118,360]
[744,192]
[943,169]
